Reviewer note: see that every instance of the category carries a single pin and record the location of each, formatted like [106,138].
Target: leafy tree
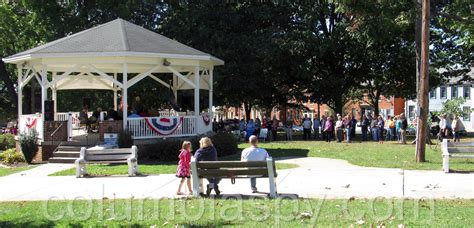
[454,107]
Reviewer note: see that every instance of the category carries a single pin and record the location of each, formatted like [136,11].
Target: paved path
[315,178]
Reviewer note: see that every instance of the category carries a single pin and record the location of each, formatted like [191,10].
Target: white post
[55,97]
[195,177]
[175,87]
[69,127]
[196,91]
[20,90]
[271,178]
[211,91]
[115,92]
[44,89]
[124,95]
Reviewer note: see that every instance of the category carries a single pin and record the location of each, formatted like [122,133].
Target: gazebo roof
[115,38]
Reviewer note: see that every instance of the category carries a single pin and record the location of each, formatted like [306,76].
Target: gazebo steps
[66,154]
[62,160]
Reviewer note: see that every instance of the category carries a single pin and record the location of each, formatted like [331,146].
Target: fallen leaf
[401,226]
[164,224]
[360,222]
[381,225]
[327,188]
[347,186]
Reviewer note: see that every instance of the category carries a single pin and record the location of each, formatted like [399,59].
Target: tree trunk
[248,109]
[339,105]
[375,103]
[5,77]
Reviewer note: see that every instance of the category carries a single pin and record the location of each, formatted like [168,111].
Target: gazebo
[116,56]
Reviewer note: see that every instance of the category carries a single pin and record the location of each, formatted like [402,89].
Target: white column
[211,91]
[44,91]
[20,90]
[196,91]
[55,96]
[124,95]
[115,92]
[175,87]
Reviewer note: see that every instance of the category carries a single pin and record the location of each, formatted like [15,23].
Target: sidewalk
[315,178]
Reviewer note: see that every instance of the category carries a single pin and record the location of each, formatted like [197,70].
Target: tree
[454,107]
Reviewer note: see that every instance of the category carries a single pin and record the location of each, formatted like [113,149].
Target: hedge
[167,150]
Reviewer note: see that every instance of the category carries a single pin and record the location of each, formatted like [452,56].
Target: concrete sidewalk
[315,178]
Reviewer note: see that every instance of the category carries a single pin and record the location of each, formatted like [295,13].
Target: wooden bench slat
[462,155]
[461,149]
[461,144]
[107,157]
[108,152]
[106,162]
[230,164]
[222,173]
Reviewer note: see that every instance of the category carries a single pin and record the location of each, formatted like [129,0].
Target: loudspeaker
[49,110]
[86,101]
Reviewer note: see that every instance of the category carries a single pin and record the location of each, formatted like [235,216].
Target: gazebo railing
[63,116]
[140,129]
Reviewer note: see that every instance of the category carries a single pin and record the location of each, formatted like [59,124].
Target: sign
[110,139]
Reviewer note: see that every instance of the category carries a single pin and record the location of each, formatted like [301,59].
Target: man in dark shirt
[403,129]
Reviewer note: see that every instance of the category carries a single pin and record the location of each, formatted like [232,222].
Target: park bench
[233,170]
[107,156]
[456,150]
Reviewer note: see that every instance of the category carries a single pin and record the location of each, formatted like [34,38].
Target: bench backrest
[118,154]
[234,169]
[459,147]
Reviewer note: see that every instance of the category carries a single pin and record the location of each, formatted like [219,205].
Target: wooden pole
[424,79]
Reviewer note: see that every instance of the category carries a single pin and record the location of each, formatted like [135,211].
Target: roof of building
[115,38]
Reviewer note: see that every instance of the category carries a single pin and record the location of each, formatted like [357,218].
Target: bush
[168,149]
[7,141]
[10,156]
[28,145]
[125,139]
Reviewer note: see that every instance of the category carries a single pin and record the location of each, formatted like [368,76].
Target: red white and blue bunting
[164,125]
[206,118]
[30,122]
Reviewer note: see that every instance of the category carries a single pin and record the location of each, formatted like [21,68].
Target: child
[184,169]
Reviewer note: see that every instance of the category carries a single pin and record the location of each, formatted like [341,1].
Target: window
[411,112]
[454,91]
[467,92]
[466,109]
[433,94]
[442,92]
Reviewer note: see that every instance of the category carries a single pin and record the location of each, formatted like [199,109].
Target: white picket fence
[140,129]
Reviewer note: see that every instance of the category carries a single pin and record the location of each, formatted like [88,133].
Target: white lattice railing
[140,129]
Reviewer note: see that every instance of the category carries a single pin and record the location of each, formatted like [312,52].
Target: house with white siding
[445,92]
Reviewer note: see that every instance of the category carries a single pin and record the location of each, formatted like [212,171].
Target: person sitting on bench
[253,153]
[207,152]
[84,118]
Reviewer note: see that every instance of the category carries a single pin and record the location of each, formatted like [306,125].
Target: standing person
[364,125]
[374,129]
[323,125]
[339,128]
[380,126]
[442,127]
[398,124]
[274,128]
[289,129]
[348,128]
[184,169]
[391,127]
[242,125]
[316,125]
[456,129]
[328,129]
[353,128]
[254,153]
[258,126]
[307,128]
[403,129]
[370,118]
[207,152]
[269,129]
[250,129]
[389,121]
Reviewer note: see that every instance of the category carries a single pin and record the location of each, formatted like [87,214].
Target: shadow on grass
[76,224]
[461,171]
[261,195]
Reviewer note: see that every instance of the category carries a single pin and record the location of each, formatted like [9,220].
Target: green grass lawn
[147,169]
[7,171]
[371,154]
[249,212]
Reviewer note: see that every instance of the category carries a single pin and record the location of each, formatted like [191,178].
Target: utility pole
[424,85]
